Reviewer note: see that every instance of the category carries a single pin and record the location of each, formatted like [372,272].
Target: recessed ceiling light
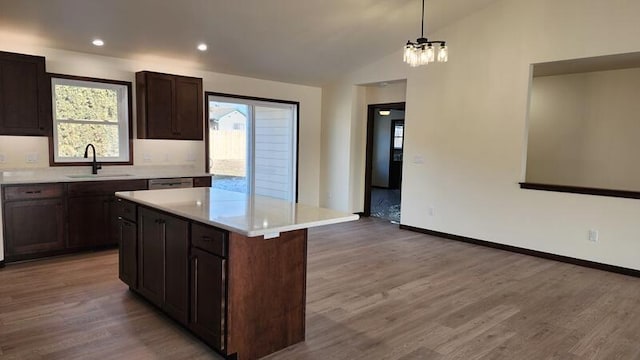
[202,47]
[384,112]
[97,42]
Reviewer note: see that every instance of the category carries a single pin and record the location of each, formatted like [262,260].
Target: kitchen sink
[87,176]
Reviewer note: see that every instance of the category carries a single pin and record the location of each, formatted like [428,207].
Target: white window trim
[122,92]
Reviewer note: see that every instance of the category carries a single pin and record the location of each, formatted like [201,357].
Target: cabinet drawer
[35,191]
[209,239]
[125,209]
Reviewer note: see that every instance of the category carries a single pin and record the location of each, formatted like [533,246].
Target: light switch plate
[3,158]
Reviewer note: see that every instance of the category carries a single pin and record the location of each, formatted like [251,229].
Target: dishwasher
[172,183]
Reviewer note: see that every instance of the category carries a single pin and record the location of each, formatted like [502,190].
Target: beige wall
[583,130]
[466,122]
[165,151]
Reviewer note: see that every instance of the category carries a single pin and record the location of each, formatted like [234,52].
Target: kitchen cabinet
[163,268]
[33,220]
[89,208]
[169,106]
[89,221]
[25,95]
[202,181]
[208,297]
[124,220]
[128,243]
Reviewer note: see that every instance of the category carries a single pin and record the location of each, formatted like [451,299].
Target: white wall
[177,152]
[583,130]
[466,122]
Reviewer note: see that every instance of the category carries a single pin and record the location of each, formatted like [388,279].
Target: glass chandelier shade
[425,51]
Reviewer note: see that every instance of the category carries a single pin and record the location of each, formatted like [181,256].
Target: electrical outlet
[3,158]
[431,211]
[166,157]
[146,157]
[593,235]
[32,158]
[418,159]
[191,156]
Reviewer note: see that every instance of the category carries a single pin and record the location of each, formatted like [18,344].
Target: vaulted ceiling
[299,41]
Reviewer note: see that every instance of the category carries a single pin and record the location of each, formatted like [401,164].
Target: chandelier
[425,51]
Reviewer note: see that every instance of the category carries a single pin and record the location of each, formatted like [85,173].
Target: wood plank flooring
[374,292]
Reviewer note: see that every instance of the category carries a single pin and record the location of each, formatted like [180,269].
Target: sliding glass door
[253,146]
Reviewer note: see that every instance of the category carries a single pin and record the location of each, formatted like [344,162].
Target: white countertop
[71,173]
[237,212]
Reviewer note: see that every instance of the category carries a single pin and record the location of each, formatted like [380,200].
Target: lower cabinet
[128,255]
[208,298]
[33,226]
[34,220]
[89,221]
[163,266]
[90,206]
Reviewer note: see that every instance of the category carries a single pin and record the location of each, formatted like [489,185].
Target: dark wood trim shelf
[627,194]
[516,249]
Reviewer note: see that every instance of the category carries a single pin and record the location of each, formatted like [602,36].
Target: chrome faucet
[94,165]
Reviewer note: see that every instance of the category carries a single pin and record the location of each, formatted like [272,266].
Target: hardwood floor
[374,292]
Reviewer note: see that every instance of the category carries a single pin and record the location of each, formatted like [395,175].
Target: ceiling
[298,41]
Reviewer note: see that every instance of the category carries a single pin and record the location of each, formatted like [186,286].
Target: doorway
[252,145]
[384,158]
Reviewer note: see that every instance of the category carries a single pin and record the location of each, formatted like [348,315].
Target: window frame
[224,97]
[127,156]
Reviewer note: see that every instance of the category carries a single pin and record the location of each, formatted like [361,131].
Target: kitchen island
[229,267]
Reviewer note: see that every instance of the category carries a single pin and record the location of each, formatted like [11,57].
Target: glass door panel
[229,146]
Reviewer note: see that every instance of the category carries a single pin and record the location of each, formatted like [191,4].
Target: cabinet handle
[195,295]
[207,239]
[163,231]
[122,223]
[34,192]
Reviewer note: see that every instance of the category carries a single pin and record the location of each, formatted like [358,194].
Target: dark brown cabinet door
[188,121]
[33,226]
[163,268]
[202,181]
[160,106]
[208,297]
[128,253]
[150,256]
[23,95]
[176,233]
[169,106]
[89,224]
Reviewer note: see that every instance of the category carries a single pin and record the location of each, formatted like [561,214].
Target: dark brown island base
[229,267]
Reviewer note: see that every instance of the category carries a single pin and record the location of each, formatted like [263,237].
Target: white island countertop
[237,212]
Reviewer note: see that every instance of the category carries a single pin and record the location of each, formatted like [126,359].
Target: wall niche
[584,125]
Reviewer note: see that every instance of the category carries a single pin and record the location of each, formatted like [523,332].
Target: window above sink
[89,110]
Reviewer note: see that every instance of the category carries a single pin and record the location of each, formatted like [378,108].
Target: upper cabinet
[25,100]
[169,106]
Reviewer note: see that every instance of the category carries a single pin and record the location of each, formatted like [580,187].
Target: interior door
[395,159]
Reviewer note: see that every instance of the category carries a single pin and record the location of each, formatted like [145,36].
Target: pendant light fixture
[423,50]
